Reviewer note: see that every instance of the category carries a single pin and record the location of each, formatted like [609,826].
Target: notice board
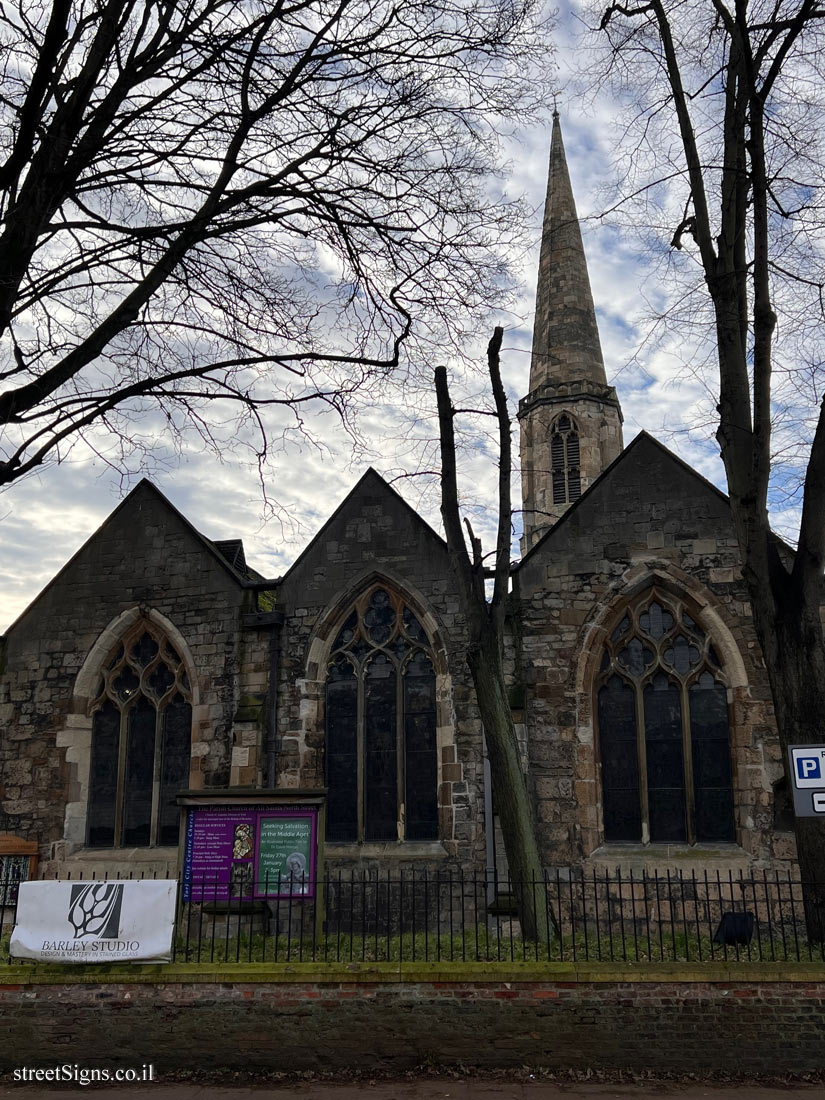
[250,852]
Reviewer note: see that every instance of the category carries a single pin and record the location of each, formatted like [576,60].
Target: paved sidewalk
[468,1088]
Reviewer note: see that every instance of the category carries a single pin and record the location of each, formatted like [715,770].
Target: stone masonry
[376,536]
[147,564]
[146,561]
[256,652]
[567,369]
[649,523]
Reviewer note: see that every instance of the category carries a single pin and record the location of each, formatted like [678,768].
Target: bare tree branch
[754,148]
[246,188]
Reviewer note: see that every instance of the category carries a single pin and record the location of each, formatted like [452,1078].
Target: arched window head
[141,743]
[381,755]
[564,460]
[663,729]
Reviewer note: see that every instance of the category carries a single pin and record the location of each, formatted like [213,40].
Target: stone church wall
[595,413]
[650,520]
[147,561]
[377,537]
[647,521]
[144,560]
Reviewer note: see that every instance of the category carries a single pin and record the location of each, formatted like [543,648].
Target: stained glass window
[664,741]
[620,764]
[381,753]
[141,742]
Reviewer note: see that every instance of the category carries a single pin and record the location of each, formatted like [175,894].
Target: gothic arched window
[381,755]
[565,461]
[663,729]
[141,744]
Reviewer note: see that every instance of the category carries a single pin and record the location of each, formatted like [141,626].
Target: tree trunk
[754,55]
[512,797]
[485,630]
[791,638]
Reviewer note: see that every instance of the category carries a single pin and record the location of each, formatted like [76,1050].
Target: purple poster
[236,852]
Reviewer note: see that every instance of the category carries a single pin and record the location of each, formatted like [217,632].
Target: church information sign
[250,852]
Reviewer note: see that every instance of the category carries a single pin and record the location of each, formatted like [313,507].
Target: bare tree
[239,204]
[485,651]
[730,100]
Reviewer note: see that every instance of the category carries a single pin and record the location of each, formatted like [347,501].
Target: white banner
[83,922]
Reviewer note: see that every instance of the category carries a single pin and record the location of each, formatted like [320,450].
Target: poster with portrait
[250,852]
[286,854]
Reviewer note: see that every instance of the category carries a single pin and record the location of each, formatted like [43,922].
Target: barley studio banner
[87,922]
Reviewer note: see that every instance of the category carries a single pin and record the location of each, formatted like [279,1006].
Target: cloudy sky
[46,518]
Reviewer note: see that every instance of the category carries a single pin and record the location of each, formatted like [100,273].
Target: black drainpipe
[272,621]
[271,748]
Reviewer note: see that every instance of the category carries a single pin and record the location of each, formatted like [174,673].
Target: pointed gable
[647,503]
[372,528]
[132,557]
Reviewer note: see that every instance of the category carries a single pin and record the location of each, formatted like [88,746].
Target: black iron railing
[446,916]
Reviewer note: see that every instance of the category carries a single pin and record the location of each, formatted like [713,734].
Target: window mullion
[153,821]
[360,736]
[400,753]
[641,750]
[375,624]
[732,759]
[144,667]
[687,750]
[121,776]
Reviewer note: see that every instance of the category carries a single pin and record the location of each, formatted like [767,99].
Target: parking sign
[808,771]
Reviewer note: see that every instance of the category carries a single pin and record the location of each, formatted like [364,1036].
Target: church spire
[571,422]
[565,335]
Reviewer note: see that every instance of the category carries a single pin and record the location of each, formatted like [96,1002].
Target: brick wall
[750,1021]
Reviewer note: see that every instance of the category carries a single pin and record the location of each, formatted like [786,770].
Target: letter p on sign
[807,767]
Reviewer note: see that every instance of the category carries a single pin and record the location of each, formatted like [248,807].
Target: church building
[157,661]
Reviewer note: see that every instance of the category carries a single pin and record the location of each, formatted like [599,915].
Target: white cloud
[44,520]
